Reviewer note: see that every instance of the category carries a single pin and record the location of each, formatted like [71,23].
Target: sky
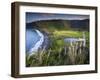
[31,17]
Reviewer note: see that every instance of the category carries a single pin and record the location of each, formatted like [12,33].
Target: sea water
[32,38]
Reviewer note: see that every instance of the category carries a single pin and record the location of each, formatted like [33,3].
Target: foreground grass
[59,57]
[61,53]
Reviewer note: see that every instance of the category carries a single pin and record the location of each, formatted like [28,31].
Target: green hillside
[57,31]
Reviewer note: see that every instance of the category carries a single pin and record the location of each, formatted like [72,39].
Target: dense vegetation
[59,52]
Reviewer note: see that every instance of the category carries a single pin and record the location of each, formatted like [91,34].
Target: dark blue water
[31,38]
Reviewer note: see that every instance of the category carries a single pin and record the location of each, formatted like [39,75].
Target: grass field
[55,54]
[59,52]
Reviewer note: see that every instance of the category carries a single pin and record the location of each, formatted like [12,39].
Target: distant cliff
[61,24]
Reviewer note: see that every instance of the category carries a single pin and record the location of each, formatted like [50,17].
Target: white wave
[38,44]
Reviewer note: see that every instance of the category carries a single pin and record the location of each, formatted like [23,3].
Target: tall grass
[61,53]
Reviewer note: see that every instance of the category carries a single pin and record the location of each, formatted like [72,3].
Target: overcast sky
[30,17]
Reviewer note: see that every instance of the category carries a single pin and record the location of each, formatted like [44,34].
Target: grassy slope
[62,29]
[58,31]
